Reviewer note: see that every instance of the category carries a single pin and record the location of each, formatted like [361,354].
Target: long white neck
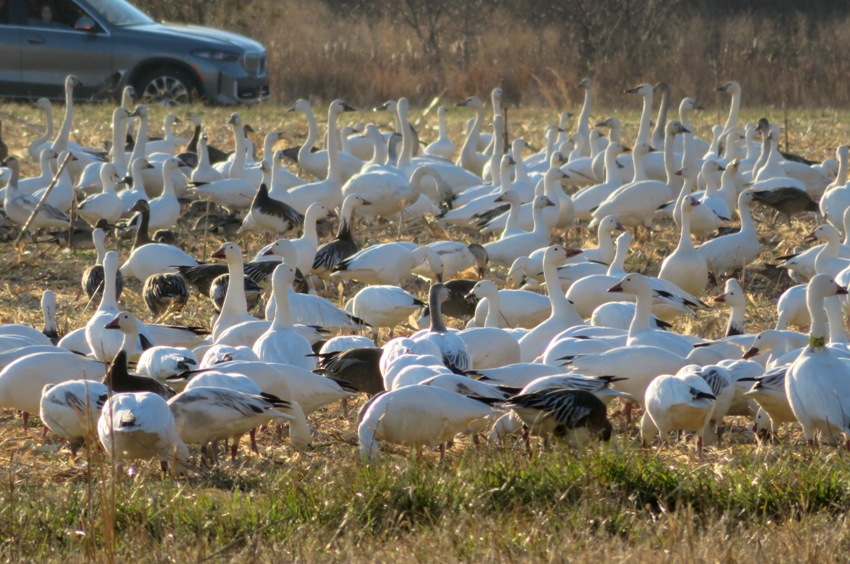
[334,173]
[141,139]
[605,241]
[612,169]
[237,167]
[310,233]
[312,133]
[108,300]
[685,242]
[48,123]
[406,157]
[99,246]
[819,329]
[583,128]
[763,155]
[640,172]
[471,141]
[235,303]
[737,314]
[494,309]
[734,110]
[670,160]
[61,142]
[539,225]
[203,155]
[442,117]
[643,314]
[645,119]
[841,178]
[658,135]
[282,316]
[617,268]
[561,306]
[168,182]
[835,316]
[512,223]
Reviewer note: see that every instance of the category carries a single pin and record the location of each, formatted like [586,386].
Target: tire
[167,86]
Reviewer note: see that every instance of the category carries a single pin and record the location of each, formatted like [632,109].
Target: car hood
[214,37]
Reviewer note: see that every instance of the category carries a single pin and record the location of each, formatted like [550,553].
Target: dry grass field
[776,501]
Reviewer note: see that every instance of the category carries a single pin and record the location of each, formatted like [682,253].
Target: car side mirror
[85,23]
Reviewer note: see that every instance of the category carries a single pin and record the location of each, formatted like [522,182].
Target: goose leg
[253,434]
[527,440]
[164,466]
[442,452]
[234,448]
[699,447]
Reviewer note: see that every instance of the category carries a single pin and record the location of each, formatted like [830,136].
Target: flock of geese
[543,356]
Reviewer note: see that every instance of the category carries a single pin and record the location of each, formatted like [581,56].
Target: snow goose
[416,416]
[677,403]
[204,173]
[517,375]
[140,426]
[818,382]
[30,185]
[343,245]
[737,250]
[480,202]
[456,257]
[685,267]
[722,388]
[165,209]
[588,198]
[452,347]
[573,416]
[118,377]
[154,258]
[768,391]
[640,332]
[562,215]
[836,198]
[71,410]
[704,220]
[234,310]
[306,245]
[489,346]
[383,306]
[563,314]
[105,344]
[504,251]
[135,186]
[22,380]
[802,263]
[37,145]
[317,163]
[169,142]
[92,280]
[442,146]
[19,206]
[733,296]
[281,342]
[387,263]
[63,192]
[470,159]
[205,414]
[162,362]
[516,308]
[234,194]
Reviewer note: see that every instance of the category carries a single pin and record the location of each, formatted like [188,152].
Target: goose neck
[282,315]
[661,123]
[583,128]
[142,235]
[835,317]
[819,329]
[437,323]
[640,172]
[471,141]
[645,119]
[643,313]
[235,302]
[312,133]
[670,160]
[618,265]
[558,300]
[406,157]
[685,242]
[734,110]
[240,153]
[442,118]
[141,139]
[494,309]
[735,326]
[108,300]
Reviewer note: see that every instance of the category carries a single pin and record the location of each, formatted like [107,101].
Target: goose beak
[841,291]
[573,252]
[721,88]
[721,298]
[365,202]
[630,91]
[499,198]
[549,202]
[219,254]
[269,252]
[564,175]
[618,287]
[291,109]
[440,278]
[347,108]
[751,352]
[462,104]
[679,172]
[620,226]
[686,130]
[626,149]
[810,238]
[112,324]
[332,214]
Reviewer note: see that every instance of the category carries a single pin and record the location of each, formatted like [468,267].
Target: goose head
[170,120]
[43,104]
[48,305]
[388,106]
[126,322]
[195,119]
[633,283]
[140,111]
[823,232]
[675,127]
[120,114]
[688,105]
[141,206]
[765,342]
[823,285]
[316,211]
[842,152]
[171,164]
[283,248]
[763,126]
[585,84]
[483,289]
[553,176]
[610,224]
[98,236]
[301,105]
[472,101]
[441,111]
[509,196]
[235,120]
[732,87]
[644,89]
[228,250]
[482,259]
[745,199]
[662,87]
[72,82]
[611,123]
[556,254]
[438,294]
[558,160]
[283,275]
[732,167]
[496,96]
[541,202]
[732,294]
[711,167]
[339,106]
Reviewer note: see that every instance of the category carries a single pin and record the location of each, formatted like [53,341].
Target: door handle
[35,39]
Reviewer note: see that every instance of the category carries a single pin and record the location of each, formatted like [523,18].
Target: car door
[51,49]
[10,47]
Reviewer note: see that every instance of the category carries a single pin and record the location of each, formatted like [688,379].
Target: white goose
[489,346]
[442,146]
[685,267]
[383,306]
[451,346]
[677,403]
[563,315]
[562,215]
[106,205]
[155,258]
[139,426]
[387,263]
[71,409]
[318,163]
[818,382]
[416,416]
[470,159]
[135,185]
[281,342]
[306,245]
[19,206]
[504,251]
[737,250]
[165,209]
[204,172]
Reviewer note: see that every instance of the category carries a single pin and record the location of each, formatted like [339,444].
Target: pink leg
[699,446]
[234,448]
[253,435]
[628,411]
[442,452]
[43,430]
[26,416]
[279,431]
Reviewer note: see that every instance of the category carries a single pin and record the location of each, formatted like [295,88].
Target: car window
[120,13]
[57,14]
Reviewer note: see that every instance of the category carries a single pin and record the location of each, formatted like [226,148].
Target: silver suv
[109,44]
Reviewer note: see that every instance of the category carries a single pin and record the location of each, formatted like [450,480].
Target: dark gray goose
[165,293]
[343,246]
[274,215]
[453,349]
[358,367]
[218,290]
[573,416]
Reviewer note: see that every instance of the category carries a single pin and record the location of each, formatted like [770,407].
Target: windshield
[120,13]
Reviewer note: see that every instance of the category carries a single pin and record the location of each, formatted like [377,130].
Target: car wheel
[167,86]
